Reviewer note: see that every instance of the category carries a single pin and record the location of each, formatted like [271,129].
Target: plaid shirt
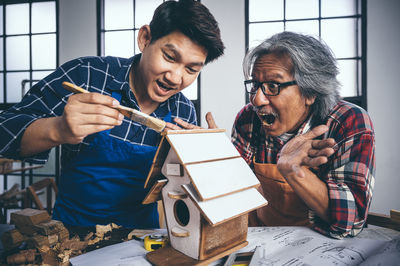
[349,172]
[103,75]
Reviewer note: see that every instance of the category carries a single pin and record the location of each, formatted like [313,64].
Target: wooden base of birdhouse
[169,256]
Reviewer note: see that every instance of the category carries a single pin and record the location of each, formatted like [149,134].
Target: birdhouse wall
[178,208]
[217,239]
[190,244]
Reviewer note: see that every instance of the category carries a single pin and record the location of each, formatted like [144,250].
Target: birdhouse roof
[218,174]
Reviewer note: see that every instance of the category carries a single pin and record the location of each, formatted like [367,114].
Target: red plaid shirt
[349,172]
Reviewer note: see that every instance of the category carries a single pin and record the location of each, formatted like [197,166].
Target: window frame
[361,58]
[4,104]
[101,41]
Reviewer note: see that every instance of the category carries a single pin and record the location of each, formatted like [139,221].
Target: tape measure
[154,241]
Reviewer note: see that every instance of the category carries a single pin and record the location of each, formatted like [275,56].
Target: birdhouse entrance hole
[181,212]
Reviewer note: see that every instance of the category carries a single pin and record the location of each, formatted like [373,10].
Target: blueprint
[303,246]
[278,246]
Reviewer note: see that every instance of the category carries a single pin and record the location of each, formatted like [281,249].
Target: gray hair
[314,68]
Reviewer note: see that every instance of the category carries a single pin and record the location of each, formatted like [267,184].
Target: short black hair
[191,18]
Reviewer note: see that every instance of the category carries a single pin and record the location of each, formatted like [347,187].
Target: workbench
[279,246]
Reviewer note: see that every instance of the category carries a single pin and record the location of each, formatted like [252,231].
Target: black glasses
[268,88]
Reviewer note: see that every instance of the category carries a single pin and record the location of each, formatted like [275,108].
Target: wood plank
[155,192]
[202,147]
[169,256]
[29,217]
[395,216]
[223,177]
[216,239]
[382,221]
[192,131]
[227,207]
[158,161]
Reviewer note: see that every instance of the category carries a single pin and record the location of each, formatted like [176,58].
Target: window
[339,23]
[28,45]
[28,48]
[120,22]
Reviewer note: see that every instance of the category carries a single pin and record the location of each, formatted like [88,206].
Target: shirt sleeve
[242,134]
[45,99]
[350,180]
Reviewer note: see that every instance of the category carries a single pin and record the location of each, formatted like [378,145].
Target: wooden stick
[137,116]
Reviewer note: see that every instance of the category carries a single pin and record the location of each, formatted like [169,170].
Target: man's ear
[310,101]
[144,37]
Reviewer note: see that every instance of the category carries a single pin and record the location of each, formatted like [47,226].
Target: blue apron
[105,183]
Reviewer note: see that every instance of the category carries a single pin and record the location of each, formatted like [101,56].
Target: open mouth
[162,86]
[268,119]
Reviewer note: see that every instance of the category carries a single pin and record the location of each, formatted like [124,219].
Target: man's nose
[260,99]
[175,75]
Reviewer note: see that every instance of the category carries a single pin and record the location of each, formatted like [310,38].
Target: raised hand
[305,150]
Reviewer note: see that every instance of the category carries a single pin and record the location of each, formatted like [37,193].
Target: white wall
[221,81]
[222,89]
[383,57]
[78,30]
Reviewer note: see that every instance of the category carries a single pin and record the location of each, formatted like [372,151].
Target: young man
[106,156]
[294,98]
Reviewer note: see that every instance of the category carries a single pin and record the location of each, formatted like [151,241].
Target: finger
[314,162]
[85,108]
[95,98]
[323,152]
[316,131]
[210,121]
[172,126]
[184,124]
[321,144]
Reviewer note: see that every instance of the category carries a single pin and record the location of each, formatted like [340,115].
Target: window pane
[262,10]
[17,19]
[44,51]
[17,53]
[191,91]
[14,86]
[309,27]
[348,77]
[1,54]
[261,31]
[43,17]
[38,75]
[340,35]
[301,9]
[334,8]
[1,87]
[1,20]
[144,10]
[118,14]
[119,43]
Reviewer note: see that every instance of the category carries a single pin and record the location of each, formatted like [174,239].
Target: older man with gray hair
[313,153]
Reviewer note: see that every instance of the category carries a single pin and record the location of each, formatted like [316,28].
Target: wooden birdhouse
[207,190]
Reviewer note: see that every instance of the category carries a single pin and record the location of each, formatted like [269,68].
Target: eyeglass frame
[261,85]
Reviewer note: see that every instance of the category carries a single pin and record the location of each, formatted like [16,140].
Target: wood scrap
[22,257]
[50,227]
[12,239]
[29,217]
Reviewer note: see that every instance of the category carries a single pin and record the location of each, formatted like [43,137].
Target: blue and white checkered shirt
[104,75]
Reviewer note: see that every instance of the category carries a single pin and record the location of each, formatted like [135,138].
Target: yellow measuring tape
[154,241]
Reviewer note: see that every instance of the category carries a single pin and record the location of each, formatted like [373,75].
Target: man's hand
[184,125]
[85,114]
[304,150]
